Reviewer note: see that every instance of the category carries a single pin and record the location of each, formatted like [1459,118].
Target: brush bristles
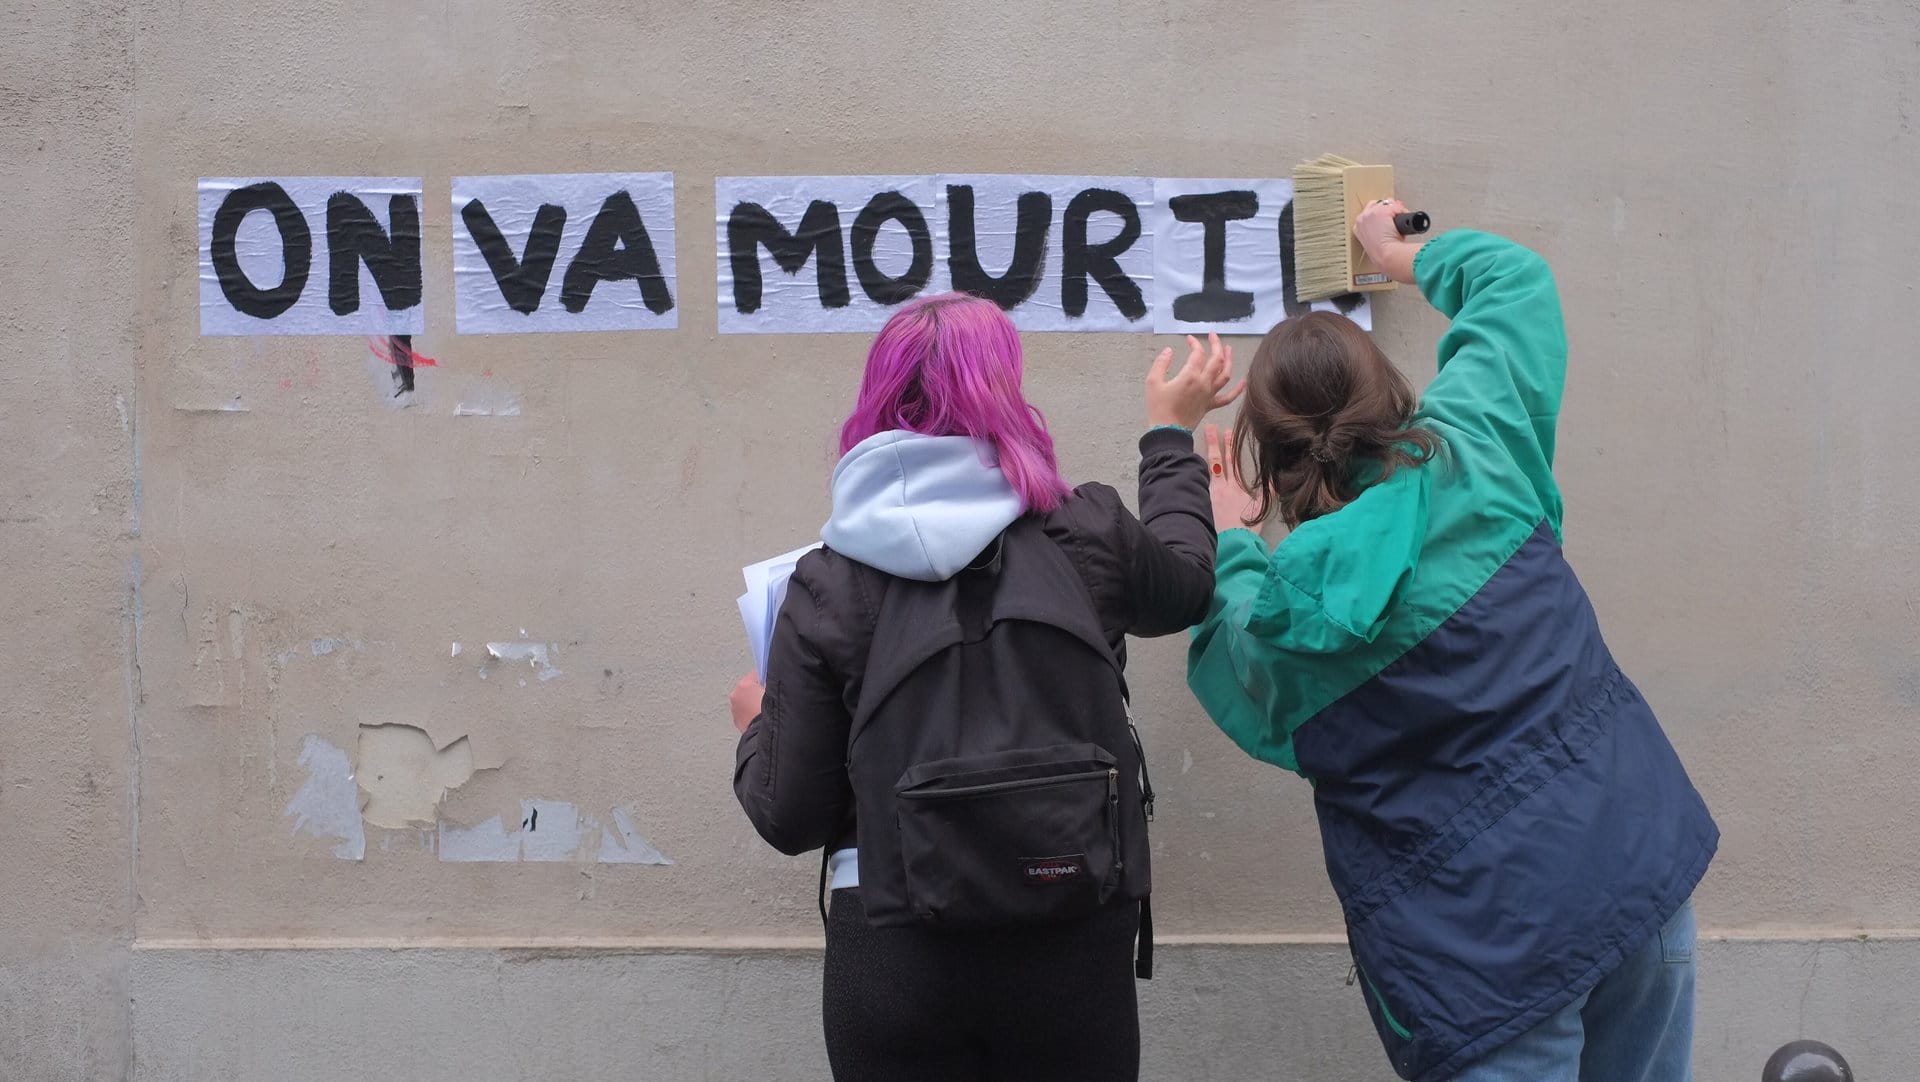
[1321,266]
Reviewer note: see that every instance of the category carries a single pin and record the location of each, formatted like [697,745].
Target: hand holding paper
[760,605]
[745,701]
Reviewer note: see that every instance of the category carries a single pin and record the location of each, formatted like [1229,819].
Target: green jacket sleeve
[1287,625]
[1229,668]
[1503,362]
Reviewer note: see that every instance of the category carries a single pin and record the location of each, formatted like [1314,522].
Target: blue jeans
[1636,1025]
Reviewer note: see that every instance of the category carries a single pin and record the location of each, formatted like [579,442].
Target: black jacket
[1148,576]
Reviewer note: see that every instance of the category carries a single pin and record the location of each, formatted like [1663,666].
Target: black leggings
[1052,1003]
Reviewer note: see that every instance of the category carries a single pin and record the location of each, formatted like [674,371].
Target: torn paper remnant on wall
[328,805]
[550,830]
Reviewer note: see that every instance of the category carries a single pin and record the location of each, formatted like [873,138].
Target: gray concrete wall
[1228,1012]
[69,541]
[1719,187]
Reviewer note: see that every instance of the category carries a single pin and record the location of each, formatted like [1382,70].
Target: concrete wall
[1231,1011]
[221,553]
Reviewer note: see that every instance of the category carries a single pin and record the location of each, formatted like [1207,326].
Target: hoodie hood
[919,507]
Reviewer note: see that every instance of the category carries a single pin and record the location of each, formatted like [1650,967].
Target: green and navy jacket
[1502,817]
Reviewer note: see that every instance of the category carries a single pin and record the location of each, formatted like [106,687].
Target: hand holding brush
[1329,195]
[1381,228]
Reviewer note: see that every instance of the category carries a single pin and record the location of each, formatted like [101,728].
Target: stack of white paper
[760,605]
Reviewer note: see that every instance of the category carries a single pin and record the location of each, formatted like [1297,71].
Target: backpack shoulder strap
[1143,956]
[1063,599]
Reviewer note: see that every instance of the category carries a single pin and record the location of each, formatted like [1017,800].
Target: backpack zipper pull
[1140,753]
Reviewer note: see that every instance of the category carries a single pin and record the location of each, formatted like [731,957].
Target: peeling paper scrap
[551,831]
[536,654]
[488,842]
[494,406]
[391,840]
[328,804]
[232,405]
[629,847]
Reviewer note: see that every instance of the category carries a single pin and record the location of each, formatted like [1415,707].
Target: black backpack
[997,776]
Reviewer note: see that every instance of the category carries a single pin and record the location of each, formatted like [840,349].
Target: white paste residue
[629,847]
[539,655]
[328,805]
[551,831]
[488,842]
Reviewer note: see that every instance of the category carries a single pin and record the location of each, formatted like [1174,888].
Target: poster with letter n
[310,255]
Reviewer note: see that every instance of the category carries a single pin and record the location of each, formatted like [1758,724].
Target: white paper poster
[813,254]
[1217,258]
[310,255]
[795,255]
[1058,253]
[760,605]
[564,252]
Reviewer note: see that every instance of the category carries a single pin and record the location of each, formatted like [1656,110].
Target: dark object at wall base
[1806,1061]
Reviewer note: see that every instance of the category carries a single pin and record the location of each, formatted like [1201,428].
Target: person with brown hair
[1513,840]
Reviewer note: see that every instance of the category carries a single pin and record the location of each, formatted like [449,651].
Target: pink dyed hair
[950,365]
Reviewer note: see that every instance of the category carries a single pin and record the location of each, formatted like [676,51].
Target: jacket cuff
[1166,441]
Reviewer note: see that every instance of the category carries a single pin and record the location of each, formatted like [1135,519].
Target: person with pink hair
[968,607]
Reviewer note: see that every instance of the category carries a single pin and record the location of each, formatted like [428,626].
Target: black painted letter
[1102,261]
[1290,301]
[1024,271]
[1215,303]
[881,209]
[522,279]
[751,226]
[394,261]
[617,249]
[296,249]
[354,234]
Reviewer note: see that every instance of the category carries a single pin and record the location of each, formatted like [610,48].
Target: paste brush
[1328,194]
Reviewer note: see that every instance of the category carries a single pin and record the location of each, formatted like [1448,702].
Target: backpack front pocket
[1011,837]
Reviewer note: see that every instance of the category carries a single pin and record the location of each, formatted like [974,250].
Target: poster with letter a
[564,252]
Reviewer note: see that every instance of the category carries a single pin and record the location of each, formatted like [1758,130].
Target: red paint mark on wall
[397,350]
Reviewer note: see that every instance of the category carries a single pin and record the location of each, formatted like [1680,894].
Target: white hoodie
[919,507]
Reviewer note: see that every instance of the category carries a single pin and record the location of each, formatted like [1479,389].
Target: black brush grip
[1412,222]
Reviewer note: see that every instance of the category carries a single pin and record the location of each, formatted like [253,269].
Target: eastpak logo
[1043,870]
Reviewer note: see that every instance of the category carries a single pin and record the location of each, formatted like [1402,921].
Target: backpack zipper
[1140,754]
[1112,777]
